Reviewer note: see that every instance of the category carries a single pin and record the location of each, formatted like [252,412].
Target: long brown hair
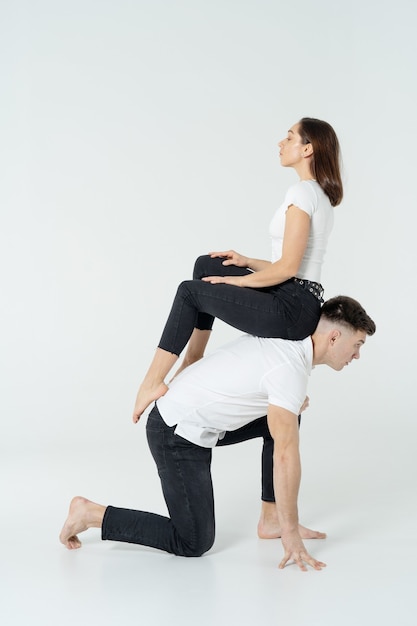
[325,160]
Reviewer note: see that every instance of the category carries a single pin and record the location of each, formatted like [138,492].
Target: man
[222,399]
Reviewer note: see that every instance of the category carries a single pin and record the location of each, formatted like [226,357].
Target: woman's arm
[297,229]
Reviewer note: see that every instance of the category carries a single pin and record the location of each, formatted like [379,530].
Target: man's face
[344,347]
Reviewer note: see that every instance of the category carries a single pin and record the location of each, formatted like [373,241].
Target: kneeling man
[221,399]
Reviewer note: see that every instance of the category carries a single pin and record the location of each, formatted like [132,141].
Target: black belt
[314,288]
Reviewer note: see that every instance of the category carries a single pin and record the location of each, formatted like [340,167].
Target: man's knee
[198,548]
[198,541]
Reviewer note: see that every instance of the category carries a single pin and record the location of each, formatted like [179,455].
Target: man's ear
[334,335]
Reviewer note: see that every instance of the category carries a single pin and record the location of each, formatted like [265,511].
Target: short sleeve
[302,195]
[286,388]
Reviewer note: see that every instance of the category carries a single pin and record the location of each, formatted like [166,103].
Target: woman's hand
[265,273]
[231,258]
[237,281]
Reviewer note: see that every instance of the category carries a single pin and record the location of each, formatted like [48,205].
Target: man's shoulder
[261,354]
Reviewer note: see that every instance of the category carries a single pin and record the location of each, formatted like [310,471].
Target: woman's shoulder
[309,185]
[308,190]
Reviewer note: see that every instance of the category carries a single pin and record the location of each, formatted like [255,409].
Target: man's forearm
[283,426]
[287,476]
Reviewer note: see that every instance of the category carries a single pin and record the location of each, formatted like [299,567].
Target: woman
[277,298]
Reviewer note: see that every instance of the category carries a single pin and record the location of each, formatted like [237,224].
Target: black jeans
[286,310]
[185,473]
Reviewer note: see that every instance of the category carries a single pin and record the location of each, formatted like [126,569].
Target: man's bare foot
[146,395]
[83,514]
[269,528]
[307,533]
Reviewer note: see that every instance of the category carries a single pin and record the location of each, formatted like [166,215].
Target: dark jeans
[185,473]
[286,310]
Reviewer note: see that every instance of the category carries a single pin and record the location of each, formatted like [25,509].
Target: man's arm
[283,426]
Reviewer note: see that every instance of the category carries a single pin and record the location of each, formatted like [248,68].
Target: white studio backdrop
[138,135]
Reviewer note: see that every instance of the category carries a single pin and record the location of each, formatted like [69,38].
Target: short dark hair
[348,312]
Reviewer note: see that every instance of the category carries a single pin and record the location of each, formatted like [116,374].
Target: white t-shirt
[234,386]
[308,196]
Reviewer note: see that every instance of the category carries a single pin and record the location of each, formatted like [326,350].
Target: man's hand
[295,551]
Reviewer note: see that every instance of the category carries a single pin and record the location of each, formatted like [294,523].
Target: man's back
[235,384]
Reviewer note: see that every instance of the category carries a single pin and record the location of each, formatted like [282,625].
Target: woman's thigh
[255,311]
[206,266]
[283,310]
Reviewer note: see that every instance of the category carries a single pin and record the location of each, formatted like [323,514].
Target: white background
[134,137]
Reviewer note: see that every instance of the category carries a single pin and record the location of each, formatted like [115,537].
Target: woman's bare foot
[153,385]
[83,514]
[146,395]
[269,527]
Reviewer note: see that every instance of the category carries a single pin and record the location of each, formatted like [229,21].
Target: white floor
[367,507]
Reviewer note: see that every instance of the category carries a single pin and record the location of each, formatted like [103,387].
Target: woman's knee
[186,289]
[206,266]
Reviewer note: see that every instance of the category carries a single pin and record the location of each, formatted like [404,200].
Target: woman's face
[291,149]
